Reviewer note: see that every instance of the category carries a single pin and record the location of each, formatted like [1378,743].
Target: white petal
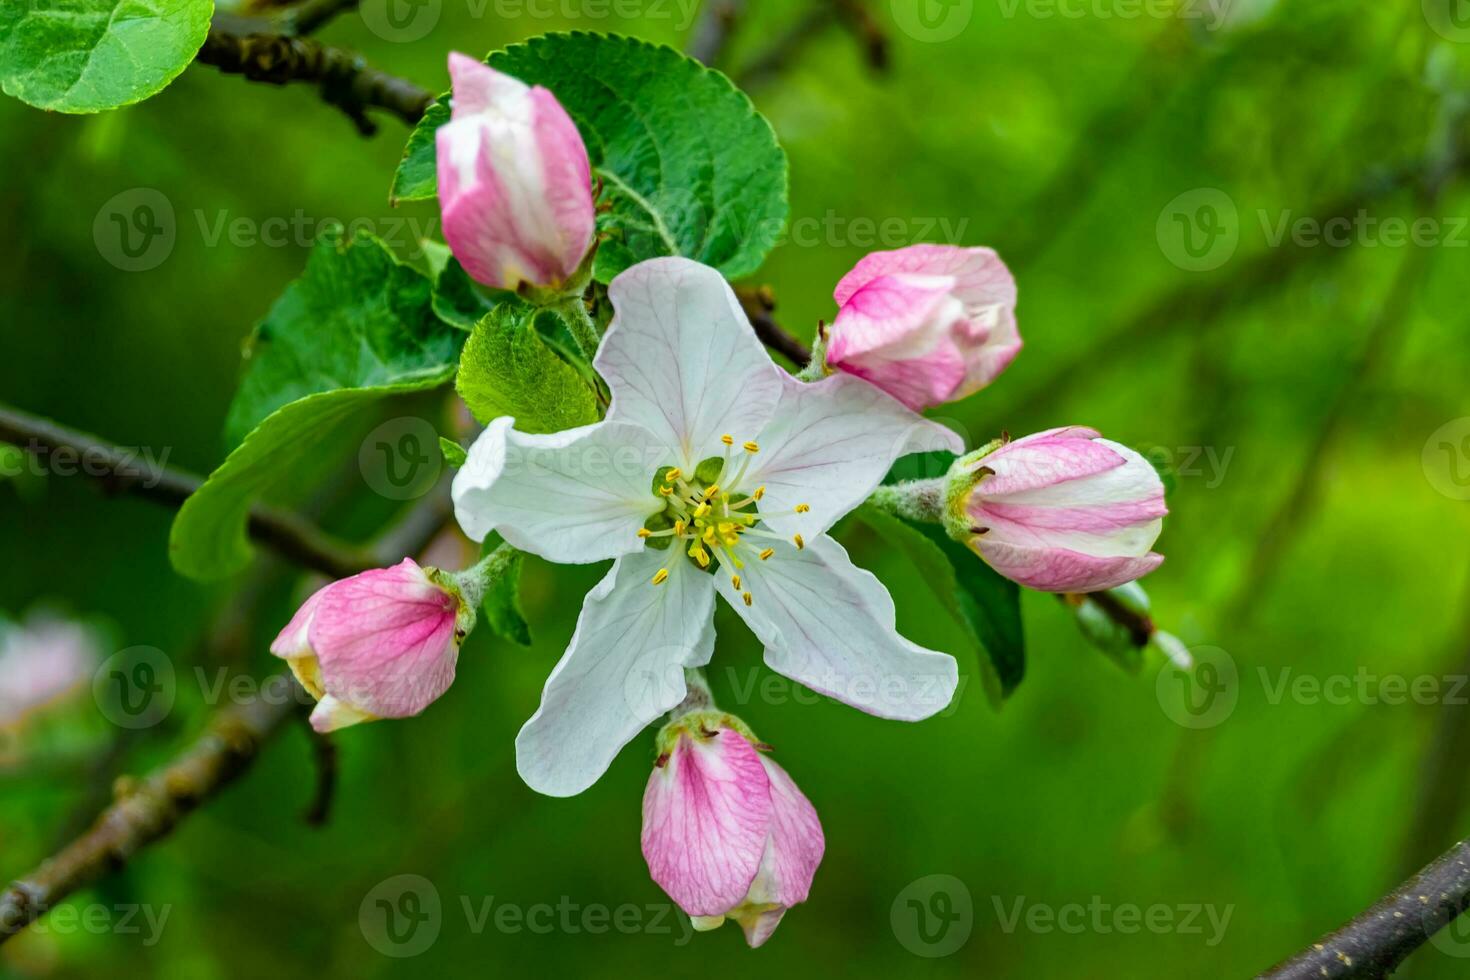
[830,625]
[829,445]
[682,361]
[623,669]
[571,497]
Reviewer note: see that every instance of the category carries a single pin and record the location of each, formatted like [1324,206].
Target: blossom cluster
[736,473]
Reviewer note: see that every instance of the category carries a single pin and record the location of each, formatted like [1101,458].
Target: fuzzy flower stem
[917,500]
[574,311]
[475,581]
[698,698]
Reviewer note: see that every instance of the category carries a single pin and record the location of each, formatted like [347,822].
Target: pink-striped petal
[927,324]
[706,817]
[514,186]
[981,277]
[385,640]
[475,86]
[1061,570]
[796,845]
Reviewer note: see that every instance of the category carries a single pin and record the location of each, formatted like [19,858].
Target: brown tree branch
[759,303]
[787,47]
[146,811]
[324,754]
[1375,943]
[1140,626]
[343,77]
[120,471]
[712,32]
[307,17]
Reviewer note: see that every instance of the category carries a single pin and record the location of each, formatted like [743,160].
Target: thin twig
[1140,626]
[1441,795]
[344,78]
[759,303]
[788,46]
[714,29]
[1376,942]
[324,754]
[857,18]
[306,18]
[148,810]
[120,471]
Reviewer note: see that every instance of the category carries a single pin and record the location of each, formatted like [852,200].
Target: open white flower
[714,471]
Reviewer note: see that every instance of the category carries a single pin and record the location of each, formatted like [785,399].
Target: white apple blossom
[714,471]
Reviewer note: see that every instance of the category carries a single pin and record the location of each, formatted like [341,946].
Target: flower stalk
[917,500]
[573,311]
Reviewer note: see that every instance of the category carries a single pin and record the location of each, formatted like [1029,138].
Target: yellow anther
[735,581]
[731,540]
[796,539]
[803,508]
[666,490]
[727,439]
[702,558]
[751,447]
[673,475]
[661,576]
[709,535]
[679,527]
[644,532]
[759,493]
[745,597]
[712,492]
[702,510]
[765,555]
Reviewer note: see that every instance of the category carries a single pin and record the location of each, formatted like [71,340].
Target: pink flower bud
[515,187]
[928,324]
[1061,511]
[726,833]
[42,663]
[381,644]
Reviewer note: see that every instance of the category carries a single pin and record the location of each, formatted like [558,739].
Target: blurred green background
[1302,389]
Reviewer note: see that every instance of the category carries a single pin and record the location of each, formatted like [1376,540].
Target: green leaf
[454,453]
[986,605]
[502,602]
[91,55]
[417,177]
[457,300]
[508,369]
[357,318]
[687,166]
[208,540]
